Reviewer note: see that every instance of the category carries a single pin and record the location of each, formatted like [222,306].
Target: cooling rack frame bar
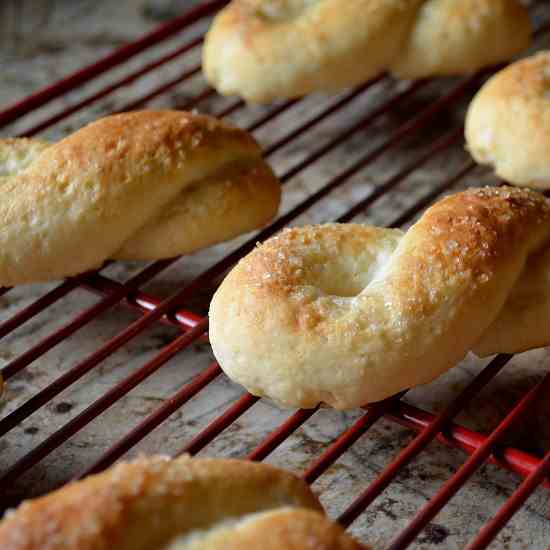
[429,427]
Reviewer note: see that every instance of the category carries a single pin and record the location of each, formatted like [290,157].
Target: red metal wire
[78,78]
[291,136]
[170,406]
[46,300]
[183,319]
[348,438]
[107,90]
[454,484]
[512,505]
[408,214]
[438,146]
[340,138]
[270,443]
[189,73]
[231,109]
[421,441]
[83,318]
[460,437]
[218,425]
[98,406]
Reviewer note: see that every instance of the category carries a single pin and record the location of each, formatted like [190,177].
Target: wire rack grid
[358,156]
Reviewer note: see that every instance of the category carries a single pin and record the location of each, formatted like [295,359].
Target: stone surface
[44,41]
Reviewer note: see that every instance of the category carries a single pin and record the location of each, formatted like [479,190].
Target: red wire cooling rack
[427,426]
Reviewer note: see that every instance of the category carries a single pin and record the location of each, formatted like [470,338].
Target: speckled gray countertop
[43,41]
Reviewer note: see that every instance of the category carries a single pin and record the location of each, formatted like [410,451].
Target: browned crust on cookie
[86,198]
[347,315]
[144,504]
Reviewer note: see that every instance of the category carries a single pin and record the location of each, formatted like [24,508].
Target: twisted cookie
[349,314]
[134,186]
[181,504]
[508,122]
[269,49]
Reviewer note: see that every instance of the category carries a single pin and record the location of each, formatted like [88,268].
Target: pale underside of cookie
[508,123]
[282,529]
[143,185]
[348,314]
[156,503]
[264,50]
[524,321]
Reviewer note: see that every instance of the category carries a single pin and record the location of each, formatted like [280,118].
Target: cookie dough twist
[349,314]
[264,50]
[508,122]
[182,504]
[134,186]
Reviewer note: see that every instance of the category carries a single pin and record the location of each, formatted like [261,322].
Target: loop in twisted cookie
[182,504]
[349,314]
[134,186]
[269,49]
